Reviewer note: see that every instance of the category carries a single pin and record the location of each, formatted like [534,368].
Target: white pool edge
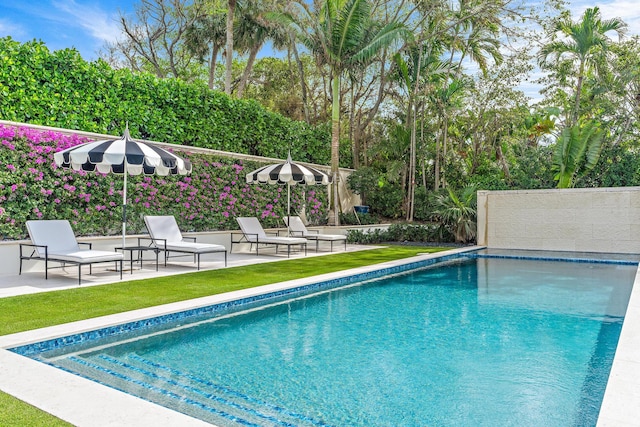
[621,404]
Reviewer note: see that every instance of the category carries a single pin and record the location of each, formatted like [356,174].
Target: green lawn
[26,312]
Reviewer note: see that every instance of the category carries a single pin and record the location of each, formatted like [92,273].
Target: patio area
[31,282]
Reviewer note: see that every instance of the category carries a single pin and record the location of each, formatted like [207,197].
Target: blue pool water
[495,342]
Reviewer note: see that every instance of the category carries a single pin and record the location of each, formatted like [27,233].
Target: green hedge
[432,233]
[61,89]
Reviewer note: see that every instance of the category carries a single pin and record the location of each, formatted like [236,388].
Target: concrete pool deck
[86,403]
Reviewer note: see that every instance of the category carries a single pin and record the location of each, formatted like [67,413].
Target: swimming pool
[427,349]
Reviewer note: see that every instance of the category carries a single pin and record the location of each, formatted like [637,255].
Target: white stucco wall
[584,219]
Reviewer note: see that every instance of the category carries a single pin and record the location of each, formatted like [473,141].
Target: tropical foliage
[458,213]
[577,152]
[583,42]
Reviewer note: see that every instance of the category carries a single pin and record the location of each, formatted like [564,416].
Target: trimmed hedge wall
[61,89]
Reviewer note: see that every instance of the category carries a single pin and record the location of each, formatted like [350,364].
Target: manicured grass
[15,412]
[26,312]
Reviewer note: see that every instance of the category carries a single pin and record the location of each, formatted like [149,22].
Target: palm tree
[584,40]
[421,68]
[341,35]
[457,213]
[252,30]
[480,43]
[445,98]
[205,37]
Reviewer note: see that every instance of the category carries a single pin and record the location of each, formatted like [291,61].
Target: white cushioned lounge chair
[253,233]
[297,228]
[54,240]
[165,235]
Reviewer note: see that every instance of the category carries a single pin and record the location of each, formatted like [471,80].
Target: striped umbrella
[108,156]
[288,173]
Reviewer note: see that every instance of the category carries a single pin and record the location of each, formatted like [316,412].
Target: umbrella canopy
[122,156]
[288,173]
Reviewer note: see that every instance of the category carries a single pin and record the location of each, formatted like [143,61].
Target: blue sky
[88,24]
[83,24]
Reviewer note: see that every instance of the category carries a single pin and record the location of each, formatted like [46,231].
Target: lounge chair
[297,228]
[165,235]
[54,240]
[253,233]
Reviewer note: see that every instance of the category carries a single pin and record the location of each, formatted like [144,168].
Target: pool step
[186,393]
[153,391]
[276,413]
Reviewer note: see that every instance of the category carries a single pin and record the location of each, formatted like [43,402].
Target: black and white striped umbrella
[288,173]
[122,156]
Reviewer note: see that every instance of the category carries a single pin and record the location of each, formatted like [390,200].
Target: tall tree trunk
[445,137]
[424,173]
[412,149]
[576,112]
[502,161]
[335,145]
[303,82]
[229,47]
[436,170]
[357,141]
[424,161]
[247,69]
[212,66]
[353,130]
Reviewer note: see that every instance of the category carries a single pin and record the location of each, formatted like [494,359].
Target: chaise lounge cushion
[61,243]
[87,257]
[254,233]
[296,225]
[165,227]
[193,247]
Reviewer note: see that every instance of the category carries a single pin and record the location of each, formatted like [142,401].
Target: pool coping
[86,403]
[620,404]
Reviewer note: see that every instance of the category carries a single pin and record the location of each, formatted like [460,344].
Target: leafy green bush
[425,204]
[402,233]
[61,89]
[383,197]
[32,187]
[350,218]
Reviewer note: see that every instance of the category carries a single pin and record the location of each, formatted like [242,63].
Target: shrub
[383,197]
[434,233]
[350,218]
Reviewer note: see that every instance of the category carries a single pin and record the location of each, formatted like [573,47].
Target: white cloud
[627,10]
[99,24]
[10,27]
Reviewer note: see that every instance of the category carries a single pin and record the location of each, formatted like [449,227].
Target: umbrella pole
[288,209]
[124,205]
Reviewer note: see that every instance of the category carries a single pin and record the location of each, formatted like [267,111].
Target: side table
[139,258]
